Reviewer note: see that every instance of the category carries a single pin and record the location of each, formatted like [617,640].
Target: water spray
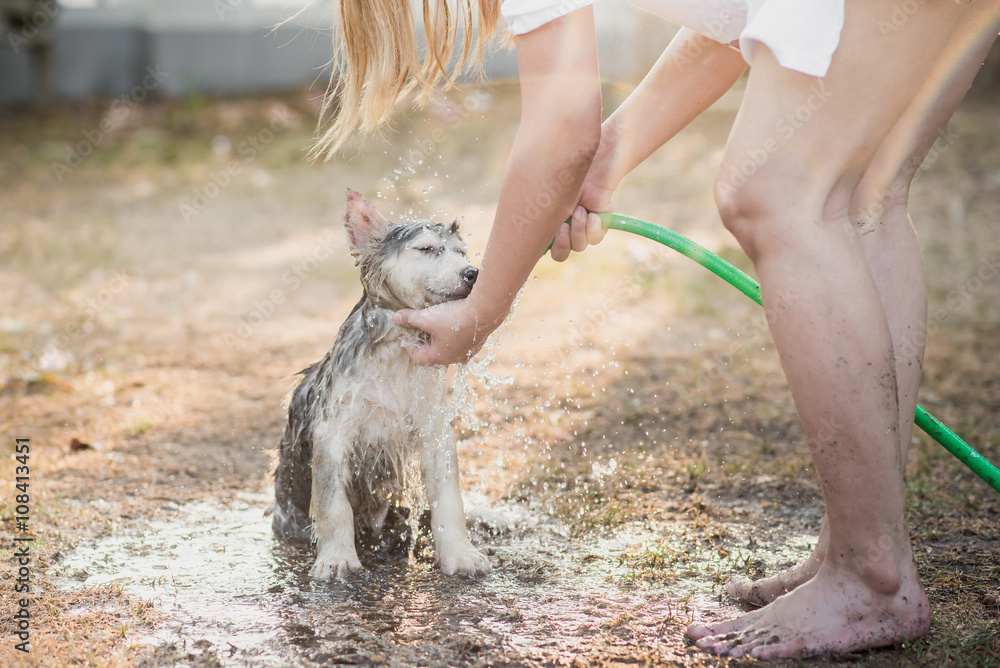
[748,286]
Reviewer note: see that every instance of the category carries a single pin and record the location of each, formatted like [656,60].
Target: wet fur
[360,414]
[338,391]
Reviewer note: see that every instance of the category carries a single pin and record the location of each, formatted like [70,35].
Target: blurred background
[80,48]
[70,49]
[169,260]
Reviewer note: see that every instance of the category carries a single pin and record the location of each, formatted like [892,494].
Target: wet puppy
[360,414]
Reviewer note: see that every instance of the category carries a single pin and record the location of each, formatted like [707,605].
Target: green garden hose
[706,258]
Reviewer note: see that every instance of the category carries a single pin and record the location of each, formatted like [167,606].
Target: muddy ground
[630,445]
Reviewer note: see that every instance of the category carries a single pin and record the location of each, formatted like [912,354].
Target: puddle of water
[233,595]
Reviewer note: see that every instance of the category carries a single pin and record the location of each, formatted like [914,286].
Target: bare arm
[553,149]
[693,72]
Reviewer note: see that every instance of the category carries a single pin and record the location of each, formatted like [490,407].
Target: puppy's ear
[453,228]
[362,221]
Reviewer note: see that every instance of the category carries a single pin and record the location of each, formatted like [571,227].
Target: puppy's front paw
[335,563]
[462,560]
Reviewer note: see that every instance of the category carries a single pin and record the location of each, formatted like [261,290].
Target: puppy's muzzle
[469,275]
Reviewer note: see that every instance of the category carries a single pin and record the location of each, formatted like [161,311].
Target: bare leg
[793,217]
[893,255]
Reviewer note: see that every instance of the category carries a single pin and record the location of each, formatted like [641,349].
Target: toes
[774,647]
[713,644]
[736,652]
[755,592]
[698,631]
[735,638]
[739,586]
[766,643]
[727,645]
[751,640]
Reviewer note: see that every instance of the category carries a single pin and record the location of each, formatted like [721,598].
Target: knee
[749,207]
[768,207]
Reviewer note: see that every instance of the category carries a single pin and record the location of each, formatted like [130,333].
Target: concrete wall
[203,46]
[223,47]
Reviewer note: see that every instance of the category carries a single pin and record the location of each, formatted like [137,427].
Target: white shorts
[525,15]
[801,35]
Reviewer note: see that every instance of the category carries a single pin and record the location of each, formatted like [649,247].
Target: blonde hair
[377,61]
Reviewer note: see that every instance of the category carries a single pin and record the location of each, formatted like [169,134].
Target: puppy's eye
[430,250]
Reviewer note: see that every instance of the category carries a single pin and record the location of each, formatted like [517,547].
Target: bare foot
[832,612]
[763,591]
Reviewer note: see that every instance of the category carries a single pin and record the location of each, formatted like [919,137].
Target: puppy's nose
[469,275]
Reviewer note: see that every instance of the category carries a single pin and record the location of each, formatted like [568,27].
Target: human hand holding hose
[584,228]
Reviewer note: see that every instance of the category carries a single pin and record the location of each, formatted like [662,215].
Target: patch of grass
[975,643]
[656,563]
[588,508]
[702,549]
[94,627]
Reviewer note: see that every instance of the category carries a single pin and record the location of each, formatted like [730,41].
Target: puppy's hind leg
[331,512]
[439,469]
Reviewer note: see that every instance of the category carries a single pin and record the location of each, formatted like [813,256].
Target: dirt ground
[166,273]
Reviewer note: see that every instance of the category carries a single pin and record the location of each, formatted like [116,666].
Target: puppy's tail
[292,491]
[293,475]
